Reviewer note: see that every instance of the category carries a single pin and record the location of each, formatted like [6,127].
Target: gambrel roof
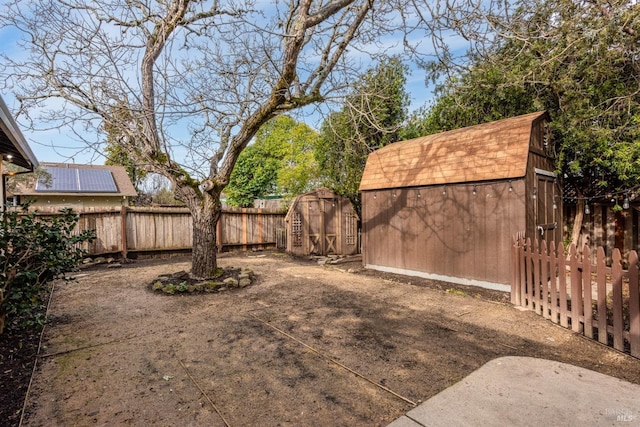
[489,151]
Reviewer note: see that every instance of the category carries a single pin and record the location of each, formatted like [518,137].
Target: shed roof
[93,187]
[489,151]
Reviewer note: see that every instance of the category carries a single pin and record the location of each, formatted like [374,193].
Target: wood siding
[445,230]
[452,215]
[580,292]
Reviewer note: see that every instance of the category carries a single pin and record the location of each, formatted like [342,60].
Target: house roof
[12,142]
[79,180]
[489,151]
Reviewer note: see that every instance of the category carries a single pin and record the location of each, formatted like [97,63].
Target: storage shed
[447,206]
[321,222]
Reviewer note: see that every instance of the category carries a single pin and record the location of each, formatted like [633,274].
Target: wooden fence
[599,301]
[141,230]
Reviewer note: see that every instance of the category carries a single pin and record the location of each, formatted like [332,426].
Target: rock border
[182,282]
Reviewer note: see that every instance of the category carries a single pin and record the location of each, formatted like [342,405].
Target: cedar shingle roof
[489,151]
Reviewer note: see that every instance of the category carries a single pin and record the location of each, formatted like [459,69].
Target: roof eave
[19,149]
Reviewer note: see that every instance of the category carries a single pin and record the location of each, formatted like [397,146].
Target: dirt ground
[304,345]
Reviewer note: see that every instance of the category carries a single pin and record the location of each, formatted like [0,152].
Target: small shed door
[315,232]
[323,228]
[547,207]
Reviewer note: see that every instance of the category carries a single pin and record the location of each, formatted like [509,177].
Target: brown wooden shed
[321,222]
[447,206]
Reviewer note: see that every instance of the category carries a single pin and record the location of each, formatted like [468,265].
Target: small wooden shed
[447,206]
[321,222]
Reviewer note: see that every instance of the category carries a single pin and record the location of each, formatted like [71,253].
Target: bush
[34,250]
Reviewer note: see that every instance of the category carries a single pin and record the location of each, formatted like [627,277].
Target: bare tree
[186,83]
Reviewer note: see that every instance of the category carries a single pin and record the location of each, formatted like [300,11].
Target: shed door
[547,207]
[315,231]
[323,230]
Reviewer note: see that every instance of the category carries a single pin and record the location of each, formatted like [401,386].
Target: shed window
[351,226]
[296,229]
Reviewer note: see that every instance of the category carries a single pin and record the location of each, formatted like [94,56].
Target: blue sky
[63,145]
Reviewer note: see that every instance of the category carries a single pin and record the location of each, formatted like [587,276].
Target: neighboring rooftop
[489,151]
[80,180]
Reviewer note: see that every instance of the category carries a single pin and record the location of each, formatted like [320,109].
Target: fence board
[135,229]
[535,286]
[545,283]
[616,279]
[634,305]
[576,289]
[587,294]
[602,295]
[593,296]
[553,282]
[562,278]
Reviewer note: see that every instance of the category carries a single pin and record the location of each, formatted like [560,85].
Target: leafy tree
[577,59]
[279,161]
[221,69]
[371,118]
[34,250]
[254,176]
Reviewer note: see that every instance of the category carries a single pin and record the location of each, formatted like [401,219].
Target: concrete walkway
[524,391]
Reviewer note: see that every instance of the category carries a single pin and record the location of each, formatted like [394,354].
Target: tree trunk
[2,313]
[204,255]
[577,222]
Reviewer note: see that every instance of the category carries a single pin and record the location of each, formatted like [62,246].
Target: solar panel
[61,180]
[96,181]
[77,180]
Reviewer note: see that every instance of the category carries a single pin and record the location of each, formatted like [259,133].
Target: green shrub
[35,249]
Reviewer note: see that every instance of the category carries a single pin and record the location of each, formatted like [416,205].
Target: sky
[62,145]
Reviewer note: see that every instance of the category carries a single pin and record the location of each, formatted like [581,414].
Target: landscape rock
[231,282]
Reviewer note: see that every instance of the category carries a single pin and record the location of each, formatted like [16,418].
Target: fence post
[562,279]
[634,305]
[602,296]
[587,290]
[219,242]
[515,273]
[576,289]
[544,277]
[123,230]
[244,229]
[260,229]
[523,272]
[616,278]
[553,282]
[534,288]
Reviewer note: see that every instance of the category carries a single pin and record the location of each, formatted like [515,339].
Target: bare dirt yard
[304,345]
